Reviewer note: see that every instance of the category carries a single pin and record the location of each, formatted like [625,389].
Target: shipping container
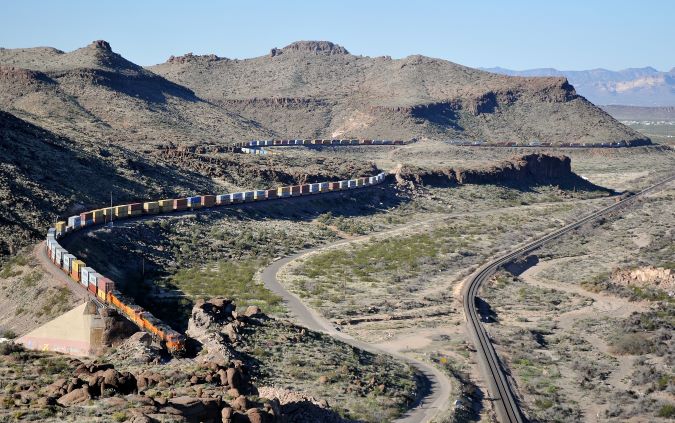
[98,216]
[398,142]
[304,189]
[314,188]
[352,183]
[271,193]
[75,267]
[223,199]
[372,180]
[91,288]
[180,204]
[165,206]
[387,142]
[108,213]
[74,222]
[194,202]
[60,227]
[260,195]
[59,256]
[283,191]
[52,232]
[94,277]
[86,218]
[67,261]
[208,200]
[295,190]
[367,142]
[122,211]
[248,195]
[237,197]
[324,186]
[84,275]
[135,209]
[104,286]
[377,142]
[344,184]
[151,207]
[333,186]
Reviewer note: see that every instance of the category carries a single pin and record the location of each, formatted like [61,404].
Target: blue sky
[513,34]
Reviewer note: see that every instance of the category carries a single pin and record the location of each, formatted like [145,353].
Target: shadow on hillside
[142,85]
[572,182]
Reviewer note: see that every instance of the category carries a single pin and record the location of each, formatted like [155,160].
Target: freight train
[468,143]
[105,290]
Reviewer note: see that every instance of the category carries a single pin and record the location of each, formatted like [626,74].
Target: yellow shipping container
[107,212]
[75,267]
[101,294]
[283,191]
[121,211]
[151,207]
[61,226]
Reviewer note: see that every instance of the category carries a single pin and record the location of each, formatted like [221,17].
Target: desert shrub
[632,344]
[7,348]
[667,411]
[9,334]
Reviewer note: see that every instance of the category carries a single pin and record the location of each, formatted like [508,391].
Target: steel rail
[507,407]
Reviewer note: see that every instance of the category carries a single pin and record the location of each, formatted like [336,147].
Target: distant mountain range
[645,87]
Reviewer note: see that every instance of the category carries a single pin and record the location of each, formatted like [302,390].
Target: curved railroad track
[500,390]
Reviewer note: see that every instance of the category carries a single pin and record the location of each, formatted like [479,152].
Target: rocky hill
[94,94]
[307,89]
[319,89]
[645,87]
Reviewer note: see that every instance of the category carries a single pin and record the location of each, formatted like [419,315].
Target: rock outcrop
[653,277]
[531,169]
[217,325]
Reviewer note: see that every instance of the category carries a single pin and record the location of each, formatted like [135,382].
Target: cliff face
[531,169]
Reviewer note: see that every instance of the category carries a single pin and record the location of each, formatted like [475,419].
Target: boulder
[252,311]
[240,403]
[257,416]
[226,414]
[75,396]
[235,378]
[196,409]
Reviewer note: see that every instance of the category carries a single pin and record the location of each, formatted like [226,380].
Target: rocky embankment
[526,170]
[135,383]
[652,277]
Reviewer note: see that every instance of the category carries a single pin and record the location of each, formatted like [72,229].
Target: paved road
[498,386]
[439,385]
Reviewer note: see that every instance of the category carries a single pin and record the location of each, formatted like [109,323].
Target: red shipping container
[208,200]
[180,204]
[334,186]
[92,288]
[304,189]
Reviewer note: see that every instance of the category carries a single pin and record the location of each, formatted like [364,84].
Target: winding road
[500,390]
[439,384]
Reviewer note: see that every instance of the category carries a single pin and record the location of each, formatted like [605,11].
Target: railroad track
[506,406]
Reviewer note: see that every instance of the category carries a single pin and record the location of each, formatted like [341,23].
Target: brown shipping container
[165,206]
[295,190]
[333,186]
[304,189]
[135,209]
[98,216]
[208,200]
[271,193]
[180,204]
[151,207]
